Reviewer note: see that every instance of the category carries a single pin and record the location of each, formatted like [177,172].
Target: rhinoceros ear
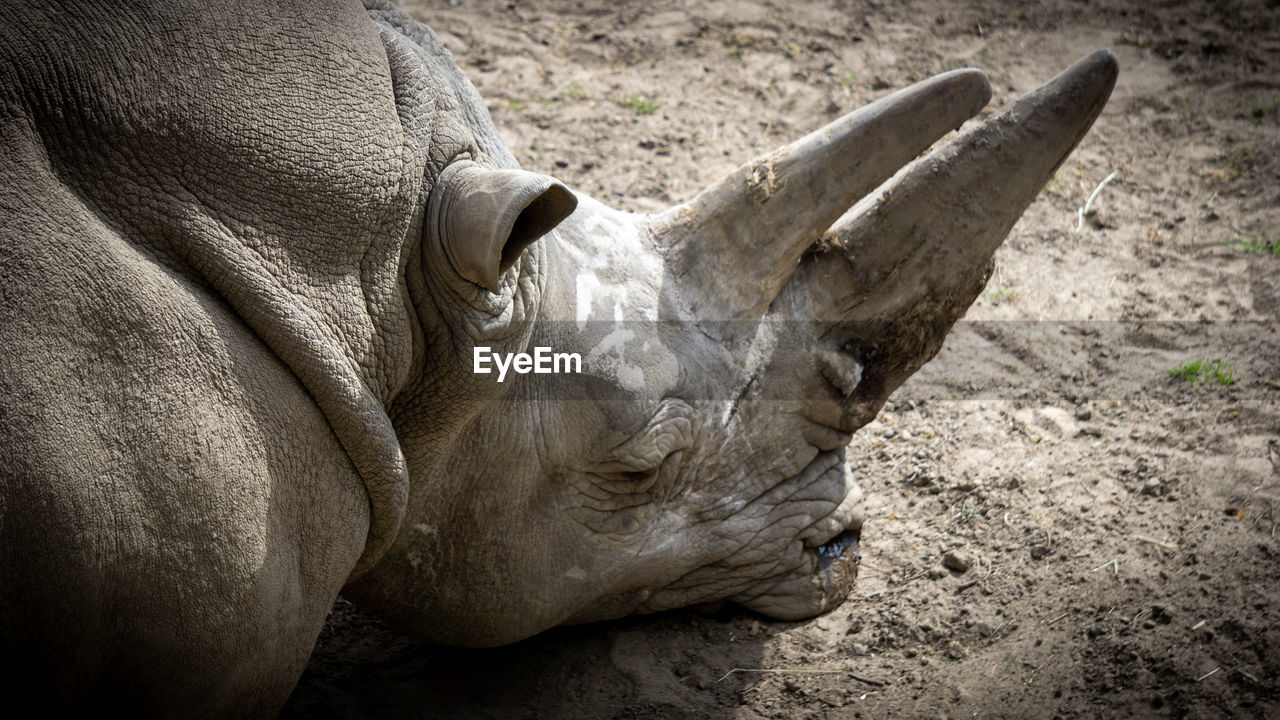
[485,218]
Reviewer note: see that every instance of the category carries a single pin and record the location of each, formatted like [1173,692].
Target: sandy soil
[1118,523]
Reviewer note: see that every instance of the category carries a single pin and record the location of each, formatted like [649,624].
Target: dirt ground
[1118,522]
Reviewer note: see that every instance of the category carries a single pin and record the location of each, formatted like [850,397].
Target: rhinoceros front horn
[930,232]
[734,245]
[485,217]
[892,276]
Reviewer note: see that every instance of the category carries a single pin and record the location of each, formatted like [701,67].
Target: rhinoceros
[254,254]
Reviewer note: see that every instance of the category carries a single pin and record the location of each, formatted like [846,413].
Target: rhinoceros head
[728,348]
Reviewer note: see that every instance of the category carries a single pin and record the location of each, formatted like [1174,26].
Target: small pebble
[1084,413]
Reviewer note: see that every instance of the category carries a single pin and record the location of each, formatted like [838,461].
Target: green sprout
[641,105]
[1199,372]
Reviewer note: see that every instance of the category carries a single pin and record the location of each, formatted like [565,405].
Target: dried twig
[869,681]
[1162,543]
[1207,674]
[920,574]
[1254,679]
[1058,618]
[863,564]
[801,671]
[1113,562]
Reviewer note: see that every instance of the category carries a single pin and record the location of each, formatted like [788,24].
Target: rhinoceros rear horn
[754,224]
[486,217]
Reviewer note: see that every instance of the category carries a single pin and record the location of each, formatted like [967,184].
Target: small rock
[859,648]
[1143,677]
[1038,552]
[955,561]
[1096,630]
[1153,488]
[936,573]
[1084,413]
[909,653]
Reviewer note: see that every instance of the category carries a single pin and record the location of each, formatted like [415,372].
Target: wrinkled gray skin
[247,251]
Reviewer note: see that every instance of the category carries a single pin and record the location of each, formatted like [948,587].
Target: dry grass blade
[1084,209]
[1162,543]
[799,671]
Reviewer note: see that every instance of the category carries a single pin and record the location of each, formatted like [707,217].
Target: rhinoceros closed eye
[620,492]
[668,431]
[485,217]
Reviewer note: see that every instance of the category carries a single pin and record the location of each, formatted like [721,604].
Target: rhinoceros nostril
[841,370]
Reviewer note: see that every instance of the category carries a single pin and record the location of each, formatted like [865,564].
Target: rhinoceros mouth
[843,524]
[827,569]
[842,548]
